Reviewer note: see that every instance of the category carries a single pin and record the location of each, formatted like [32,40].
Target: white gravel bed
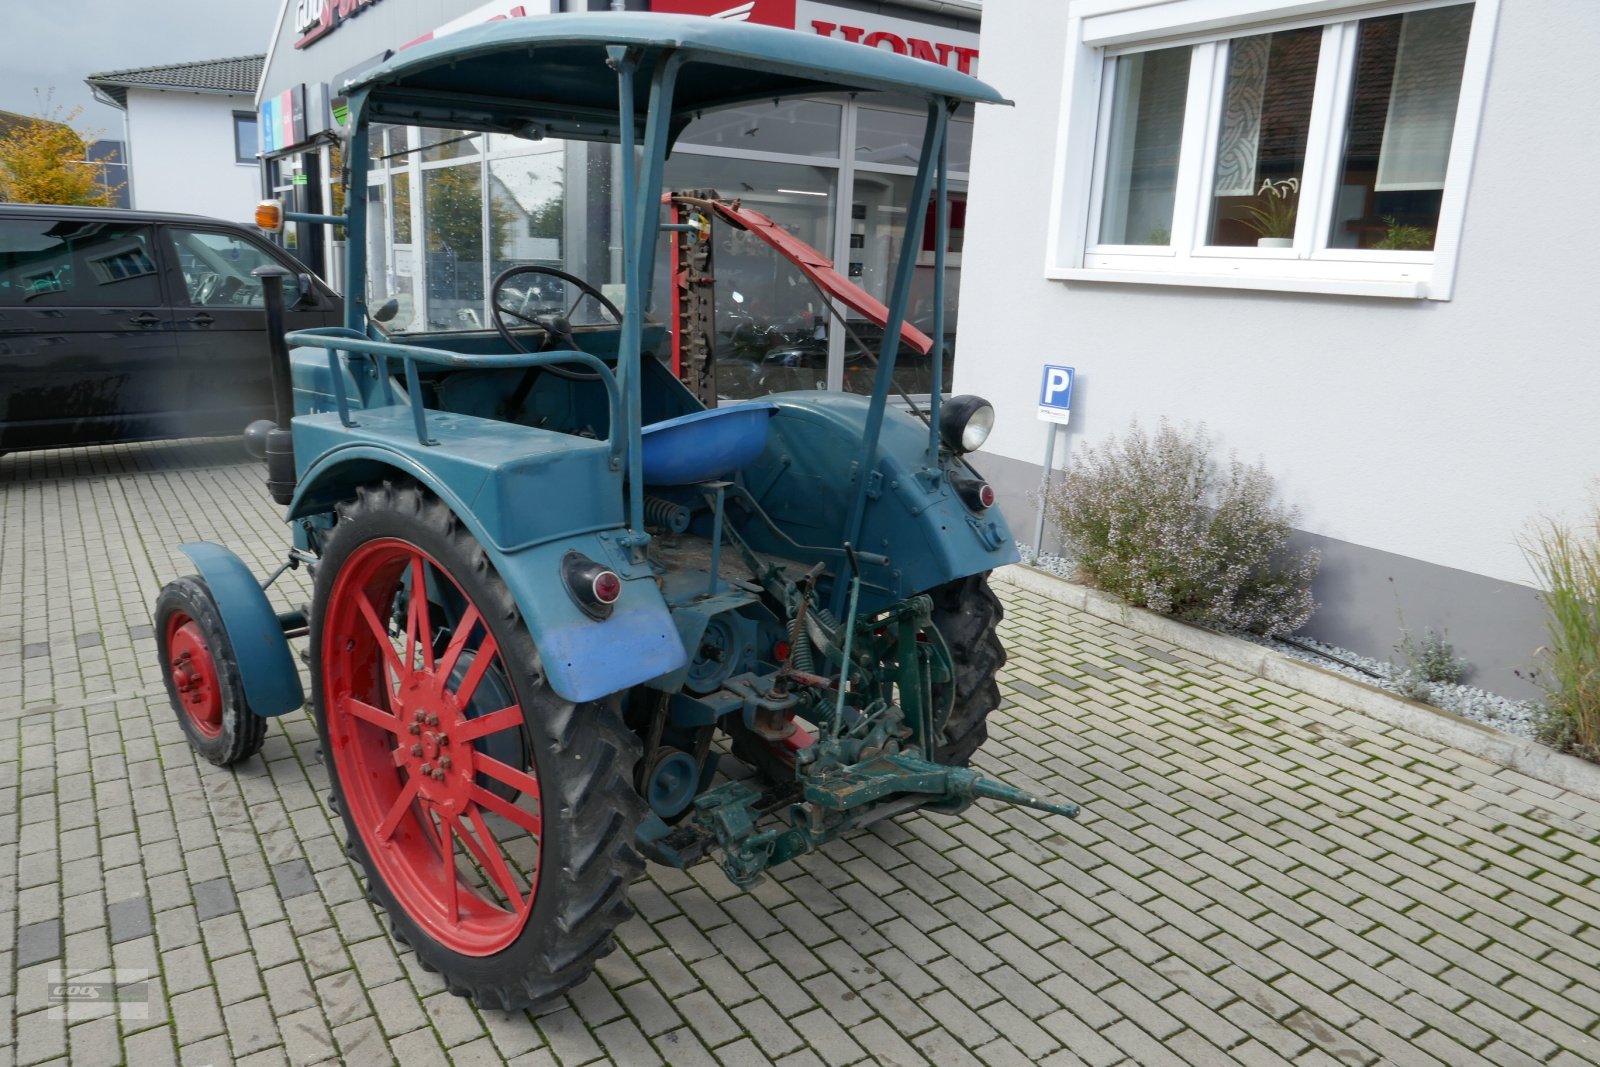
[1501,713]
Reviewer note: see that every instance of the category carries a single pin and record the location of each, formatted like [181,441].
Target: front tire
[494,820]
[202,675]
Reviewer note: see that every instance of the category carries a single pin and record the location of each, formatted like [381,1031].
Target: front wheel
[202,676]
[495,820]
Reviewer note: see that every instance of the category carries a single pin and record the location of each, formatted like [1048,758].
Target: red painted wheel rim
[406,737]
[194,674]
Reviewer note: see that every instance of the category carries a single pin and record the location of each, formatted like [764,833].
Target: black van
[131,325]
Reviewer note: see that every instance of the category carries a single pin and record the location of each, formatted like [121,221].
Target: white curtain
[1422,99]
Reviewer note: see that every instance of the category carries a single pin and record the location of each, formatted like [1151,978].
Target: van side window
[216,268]
[77,263]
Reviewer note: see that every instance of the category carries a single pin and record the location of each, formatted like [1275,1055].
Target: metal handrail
[338,339]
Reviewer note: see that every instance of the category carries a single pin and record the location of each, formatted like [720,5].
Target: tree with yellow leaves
[44,161]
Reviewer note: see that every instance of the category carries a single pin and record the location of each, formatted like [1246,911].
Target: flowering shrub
[1153,520]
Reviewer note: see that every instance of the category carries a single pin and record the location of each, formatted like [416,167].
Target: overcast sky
[60,42]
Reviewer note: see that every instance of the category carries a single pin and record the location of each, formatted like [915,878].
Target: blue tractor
[553,592]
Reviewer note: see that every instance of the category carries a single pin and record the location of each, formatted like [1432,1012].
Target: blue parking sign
[1055,394]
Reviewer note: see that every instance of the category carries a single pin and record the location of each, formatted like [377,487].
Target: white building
[191,133]
[1416,365]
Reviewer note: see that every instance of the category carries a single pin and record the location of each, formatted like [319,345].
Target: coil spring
[665,514]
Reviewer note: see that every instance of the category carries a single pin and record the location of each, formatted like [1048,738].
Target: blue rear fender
[914,519]
[528,501]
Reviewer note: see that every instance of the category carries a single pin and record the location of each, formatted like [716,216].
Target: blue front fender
[266,666]
[582,658]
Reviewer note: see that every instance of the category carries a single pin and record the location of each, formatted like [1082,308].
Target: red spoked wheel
[202,676]
[412,737]
[194,674]
[445,737]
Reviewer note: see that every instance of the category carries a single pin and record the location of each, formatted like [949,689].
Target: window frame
[1099,31]
[251,117]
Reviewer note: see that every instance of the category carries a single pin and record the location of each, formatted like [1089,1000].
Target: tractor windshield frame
[554,75]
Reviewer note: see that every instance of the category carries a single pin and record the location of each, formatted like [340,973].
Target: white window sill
[1403,289]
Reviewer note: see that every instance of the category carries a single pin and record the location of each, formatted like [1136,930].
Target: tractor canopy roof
[550,74]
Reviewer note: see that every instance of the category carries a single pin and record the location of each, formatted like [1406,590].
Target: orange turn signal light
[269,215]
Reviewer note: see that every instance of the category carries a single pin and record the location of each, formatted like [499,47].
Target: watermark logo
[124,992]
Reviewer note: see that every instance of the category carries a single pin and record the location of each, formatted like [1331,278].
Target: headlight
[965,422]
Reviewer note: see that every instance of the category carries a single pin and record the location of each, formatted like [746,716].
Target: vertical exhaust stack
[274,442]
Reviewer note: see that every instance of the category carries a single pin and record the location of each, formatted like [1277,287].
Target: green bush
[1152,519]
[1566,557]
[1430,661]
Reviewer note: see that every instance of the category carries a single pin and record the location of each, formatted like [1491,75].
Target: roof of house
[237,74]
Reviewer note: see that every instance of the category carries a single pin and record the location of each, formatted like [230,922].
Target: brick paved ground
[1258,877]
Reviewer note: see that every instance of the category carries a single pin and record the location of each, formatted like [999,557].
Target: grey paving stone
[37,942]
[294,878]
[1057,678]
[36,650]
[88,640]
[130,919]
[214,897]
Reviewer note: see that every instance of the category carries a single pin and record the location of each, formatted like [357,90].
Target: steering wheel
[549,317]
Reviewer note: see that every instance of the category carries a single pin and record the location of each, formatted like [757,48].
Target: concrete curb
[1424,720]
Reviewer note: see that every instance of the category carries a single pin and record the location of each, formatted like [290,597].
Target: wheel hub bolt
[414,728]
[438,776]
[444,762]
[433,720]
[416,750]
[420,715]
[427,768]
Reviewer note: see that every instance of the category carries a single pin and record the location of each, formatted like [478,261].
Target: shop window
[400,196]
[772,327]
[452,233]
[790,127]
[894,138]
[1321,155]
[877,233]
[439,145]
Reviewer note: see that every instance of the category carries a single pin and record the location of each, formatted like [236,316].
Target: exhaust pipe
[274,441]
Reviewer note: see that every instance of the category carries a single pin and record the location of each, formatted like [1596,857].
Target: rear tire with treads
[416,778]
[967,615]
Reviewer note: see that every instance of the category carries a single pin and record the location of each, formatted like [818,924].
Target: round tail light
[593,586]
[607,587]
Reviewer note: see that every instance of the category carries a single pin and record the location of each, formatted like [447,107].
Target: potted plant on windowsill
[1273,218]
[1404,237]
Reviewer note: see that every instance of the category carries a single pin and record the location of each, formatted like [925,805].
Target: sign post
[1055,408]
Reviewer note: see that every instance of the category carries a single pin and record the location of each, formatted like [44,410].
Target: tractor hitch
[819,809]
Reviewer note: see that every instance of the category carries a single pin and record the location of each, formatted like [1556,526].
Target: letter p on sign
[1055,395]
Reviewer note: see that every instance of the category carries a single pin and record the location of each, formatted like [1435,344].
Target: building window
[246,139]
[1325,154]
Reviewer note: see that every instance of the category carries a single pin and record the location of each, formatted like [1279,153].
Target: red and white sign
[952,48]
[315,19]
[495,11]
[766,12]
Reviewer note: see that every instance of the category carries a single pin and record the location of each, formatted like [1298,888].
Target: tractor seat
[705,445]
